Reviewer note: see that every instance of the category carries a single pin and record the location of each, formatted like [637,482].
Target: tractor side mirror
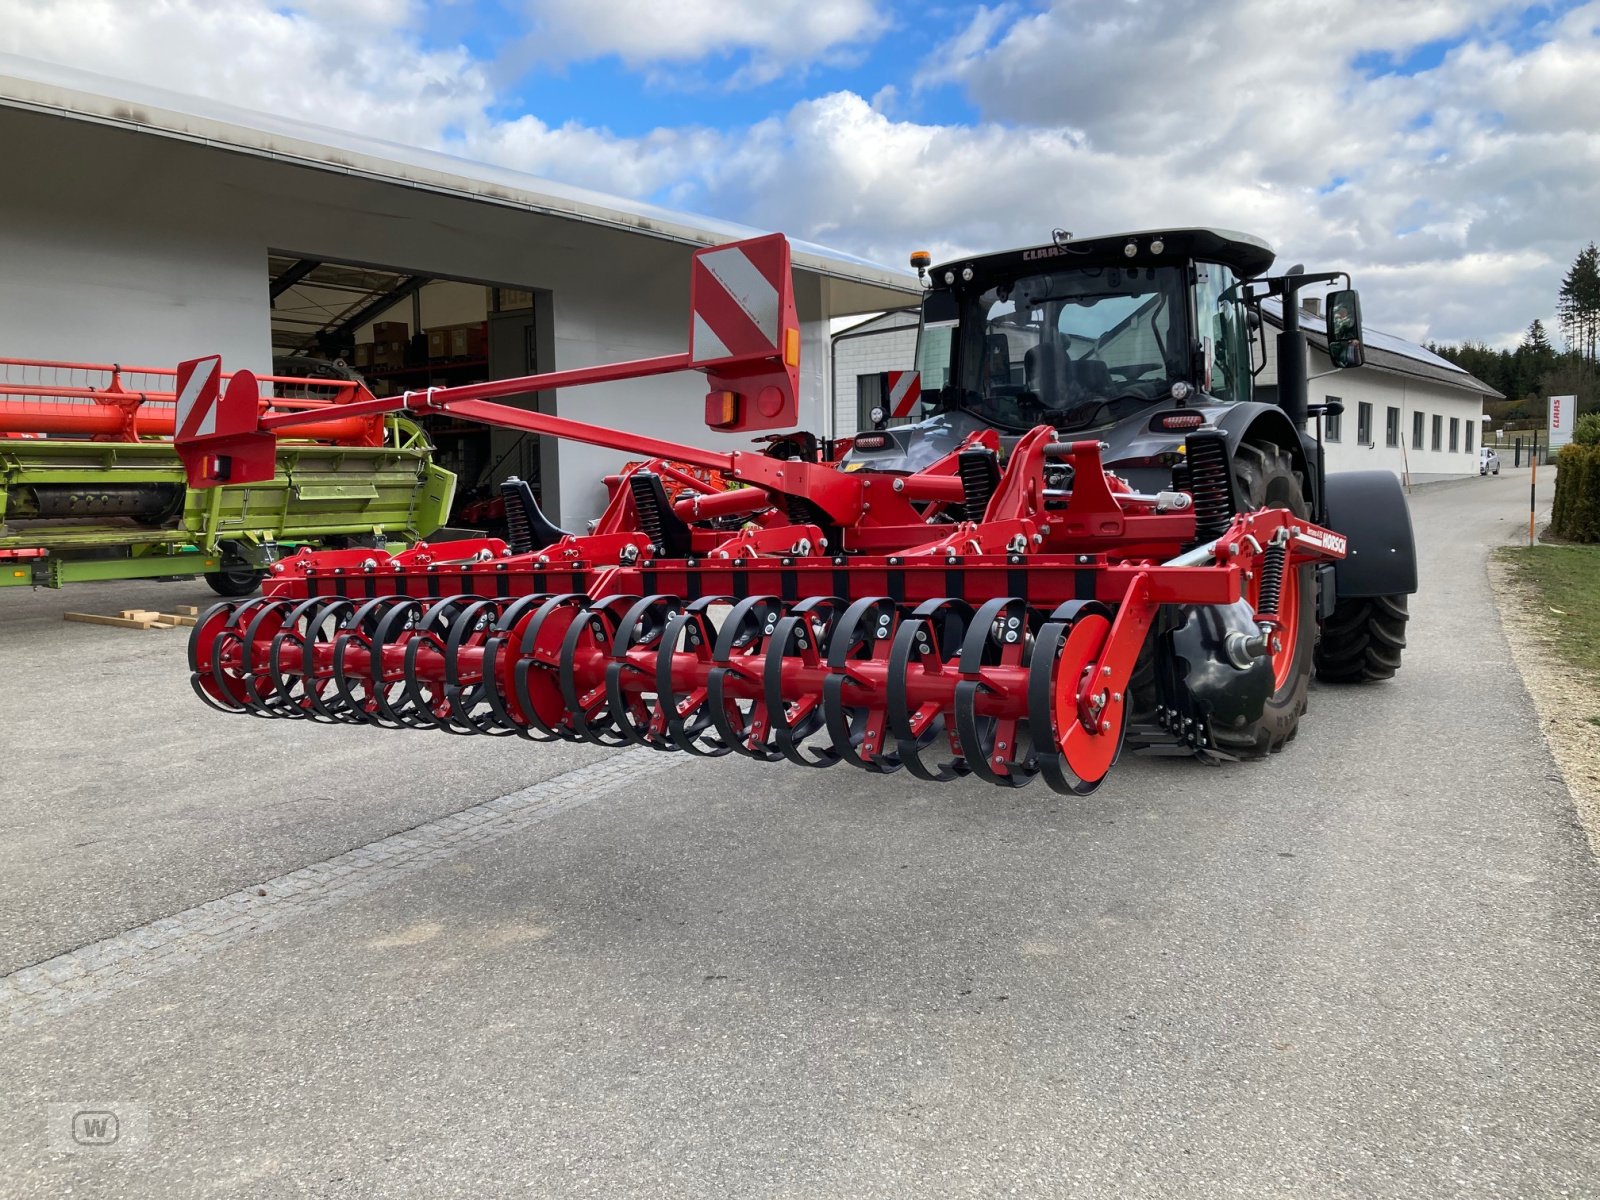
[1344,329]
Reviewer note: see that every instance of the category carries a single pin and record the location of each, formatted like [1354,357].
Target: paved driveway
[393,965]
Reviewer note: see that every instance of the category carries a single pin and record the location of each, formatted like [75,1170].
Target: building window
[1363,424]
[1416,430]
[1455,434]
[1391,427]
[1469,437]
[1333,423]
[1438,432]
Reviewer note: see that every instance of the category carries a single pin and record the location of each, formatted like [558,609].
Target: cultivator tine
[1000,635]
[386,670]
[926,643]
[739,653]
[865,631]
[688,719]
[357,692]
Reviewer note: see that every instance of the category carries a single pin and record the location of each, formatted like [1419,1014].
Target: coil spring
[1211,486]
[645,504]
[980,475]
[1272,569]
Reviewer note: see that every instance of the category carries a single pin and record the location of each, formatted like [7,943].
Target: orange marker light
[791,347]
[722,410]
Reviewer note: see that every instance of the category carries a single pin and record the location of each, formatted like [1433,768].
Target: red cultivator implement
[971,617]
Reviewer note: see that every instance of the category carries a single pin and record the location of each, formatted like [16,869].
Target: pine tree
[1578,305]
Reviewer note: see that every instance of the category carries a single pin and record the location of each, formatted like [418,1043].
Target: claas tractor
[1098,535]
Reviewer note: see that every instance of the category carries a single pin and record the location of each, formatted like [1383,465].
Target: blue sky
[1444,151]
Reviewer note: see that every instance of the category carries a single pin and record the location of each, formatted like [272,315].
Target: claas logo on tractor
[744,334]
[215,430]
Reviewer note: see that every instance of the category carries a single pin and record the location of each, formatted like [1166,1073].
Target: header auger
[1011,608]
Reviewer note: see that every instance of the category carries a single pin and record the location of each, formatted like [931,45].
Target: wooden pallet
[138,618]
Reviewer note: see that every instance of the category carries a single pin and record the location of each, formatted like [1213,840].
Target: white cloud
[777,35]
[1458,195]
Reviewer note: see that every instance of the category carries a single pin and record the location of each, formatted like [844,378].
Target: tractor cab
[1079,334]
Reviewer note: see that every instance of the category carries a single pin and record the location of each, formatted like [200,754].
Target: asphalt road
[1366,967]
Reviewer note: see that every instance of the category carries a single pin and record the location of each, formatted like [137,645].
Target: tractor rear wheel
[1266,478]
[1362,640]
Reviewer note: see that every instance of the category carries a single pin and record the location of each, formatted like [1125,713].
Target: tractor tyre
[1266,478]
[235,581]
[1363,639]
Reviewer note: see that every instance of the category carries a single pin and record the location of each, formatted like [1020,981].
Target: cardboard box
[391,331]
[388,355]
[469,341]
[439,342]
[363,355]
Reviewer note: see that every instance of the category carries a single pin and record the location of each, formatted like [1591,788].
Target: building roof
[1388,354]
[888,322]
[68,92]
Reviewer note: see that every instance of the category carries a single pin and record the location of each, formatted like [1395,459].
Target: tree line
[1536,368]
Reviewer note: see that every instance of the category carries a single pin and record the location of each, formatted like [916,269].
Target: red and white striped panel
[905,389]
[738,296]
[199,386]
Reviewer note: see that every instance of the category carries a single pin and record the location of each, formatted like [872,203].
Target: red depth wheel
[1073,755]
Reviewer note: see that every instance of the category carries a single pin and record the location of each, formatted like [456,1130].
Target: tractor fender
[1370,509]
[1250,421]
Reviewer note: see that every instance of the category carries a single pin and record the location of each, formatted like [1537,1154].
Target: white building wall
[1411,395]
[138,249]
[893,349]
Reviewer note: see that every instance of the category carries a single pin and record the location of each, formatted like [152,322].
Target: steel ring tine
[908,743]
[297,627]
[621,712]
[618,706]
[627,627]
[787,736]
[436,618]
[678,731]
[327,698]
[471,621]
[977,745]
[839,644]
[847,726]
[526,660]
[393,626]
[748,614]
[360,626]
[741,615]
[595,733]
[738,739]
[516,609]
[259,706]
[976,643]
[219,679]
[311,699]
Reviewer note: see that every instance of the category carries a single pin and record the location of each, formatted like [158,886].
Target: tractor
[1098,535]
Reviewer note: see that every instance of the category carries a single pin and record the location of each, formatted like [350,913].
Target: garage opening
[398,331]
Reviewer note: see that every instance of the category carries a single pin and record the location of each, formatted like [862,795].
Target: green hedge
[1577,508]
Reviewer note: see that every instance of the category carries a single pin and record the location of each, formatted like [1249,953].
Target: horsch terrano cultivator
[1093,538]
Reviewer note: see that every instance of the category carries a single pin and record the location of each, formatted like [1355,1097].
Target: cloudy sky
[1446,151]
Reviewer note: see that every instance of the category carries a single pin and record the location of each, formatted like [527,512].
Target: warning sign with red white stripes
[905,389]
[199,385]
[739,296]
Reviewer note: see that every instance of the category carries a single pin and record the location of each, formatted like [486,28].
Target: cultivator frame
[965,619]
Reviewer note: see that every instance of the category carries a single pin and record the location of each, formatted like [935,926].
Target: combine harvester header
[984,615]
